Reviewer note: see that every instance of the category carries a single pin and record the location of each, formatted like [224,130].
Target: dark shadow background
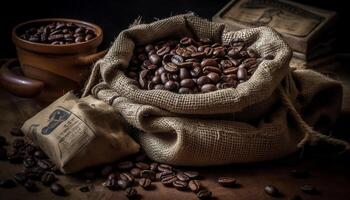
[114,16]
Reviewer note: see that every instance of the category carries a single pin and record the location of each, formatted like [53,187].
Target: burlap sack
[78,133]
[258,120]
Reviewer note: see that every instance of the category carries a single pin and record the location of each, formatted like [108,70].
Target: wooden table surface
[331,176]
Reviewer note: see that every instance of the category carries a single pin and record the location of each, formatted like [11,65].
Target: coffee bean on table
[16,132]
[58,189]
[29,162]
[204,194]
[48,178]
[164,167]
[30,186]
[7,183]
[180,185]
[227,181]
[168,180]
[130,192]
[154,166]
[125,165]
[192,174]
[142,165]
[135,172]
[20,177]
[127,177]
[271,190]
[145,183]
[309,189]
[194,185]
[148,174]
[123,184]
[182,177]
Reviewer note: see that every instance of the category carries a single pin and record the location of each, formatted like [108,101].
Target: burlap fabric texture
[262,119]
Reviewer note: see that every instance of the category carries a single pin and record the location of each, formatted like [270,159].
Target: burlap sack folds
[262,119]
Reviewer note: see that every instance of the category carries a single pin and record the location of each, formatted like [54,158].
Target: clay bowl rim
[57,49]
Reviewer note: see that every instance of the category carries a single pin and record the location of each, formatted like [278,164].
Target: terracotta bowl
[49,71]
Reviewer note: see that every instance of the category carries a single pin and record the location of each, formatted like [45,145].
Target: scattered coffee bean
[227,181]
[111,184]
[8,183]
[30,186]
[309,189]
[29,162]
[145,183]
[164,167]
[123,184]
[168,180]
[130,192]
[148,174]
[154,166]
[180,185]
[58,33]
[192,174]
[271,190]
[21,177]
[182,177]
[48,178]
[204,194]
[194,185]
[58,189]
[135,172]
[127,177]
[142,165]
[125,165]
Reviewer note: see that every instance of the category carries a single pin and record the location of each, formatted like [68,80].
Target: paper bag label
[64,130]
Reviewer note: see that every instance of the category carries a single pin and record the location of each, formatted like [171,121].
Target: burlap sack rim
[232,96]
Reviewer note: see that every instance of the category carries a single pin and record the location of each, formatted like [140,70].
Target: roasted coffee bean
[194,185]
[130,192]
[16,132]
[148,174]
[30,186]
[17,143]
[309,189]
[135,172]
[162,174]
[142,165]
[20,177]
[168,180]
[58,189]
[111,184]
[204,194]
[123,184]
[29,162]
[192,174]
[154,166]
[127,177]
[180,185]
[125,165]
[227,181]
[48,178]
[44,164]
[164,167]
[186,67]
[271,190]
[7,183]
[145,183]
[208,88]
[182,177]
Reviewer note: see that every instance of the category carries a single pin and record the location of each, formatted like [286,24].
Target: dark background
[114,16]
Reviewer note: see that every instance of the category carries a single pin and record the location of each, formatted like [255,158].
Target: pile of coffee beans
[36,165]
[59,33]
[140,171]
[189,66]
[128,175]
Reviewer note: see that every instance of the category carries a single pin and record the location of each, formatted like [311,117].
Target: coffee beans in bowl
[189,66]
[58,33]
